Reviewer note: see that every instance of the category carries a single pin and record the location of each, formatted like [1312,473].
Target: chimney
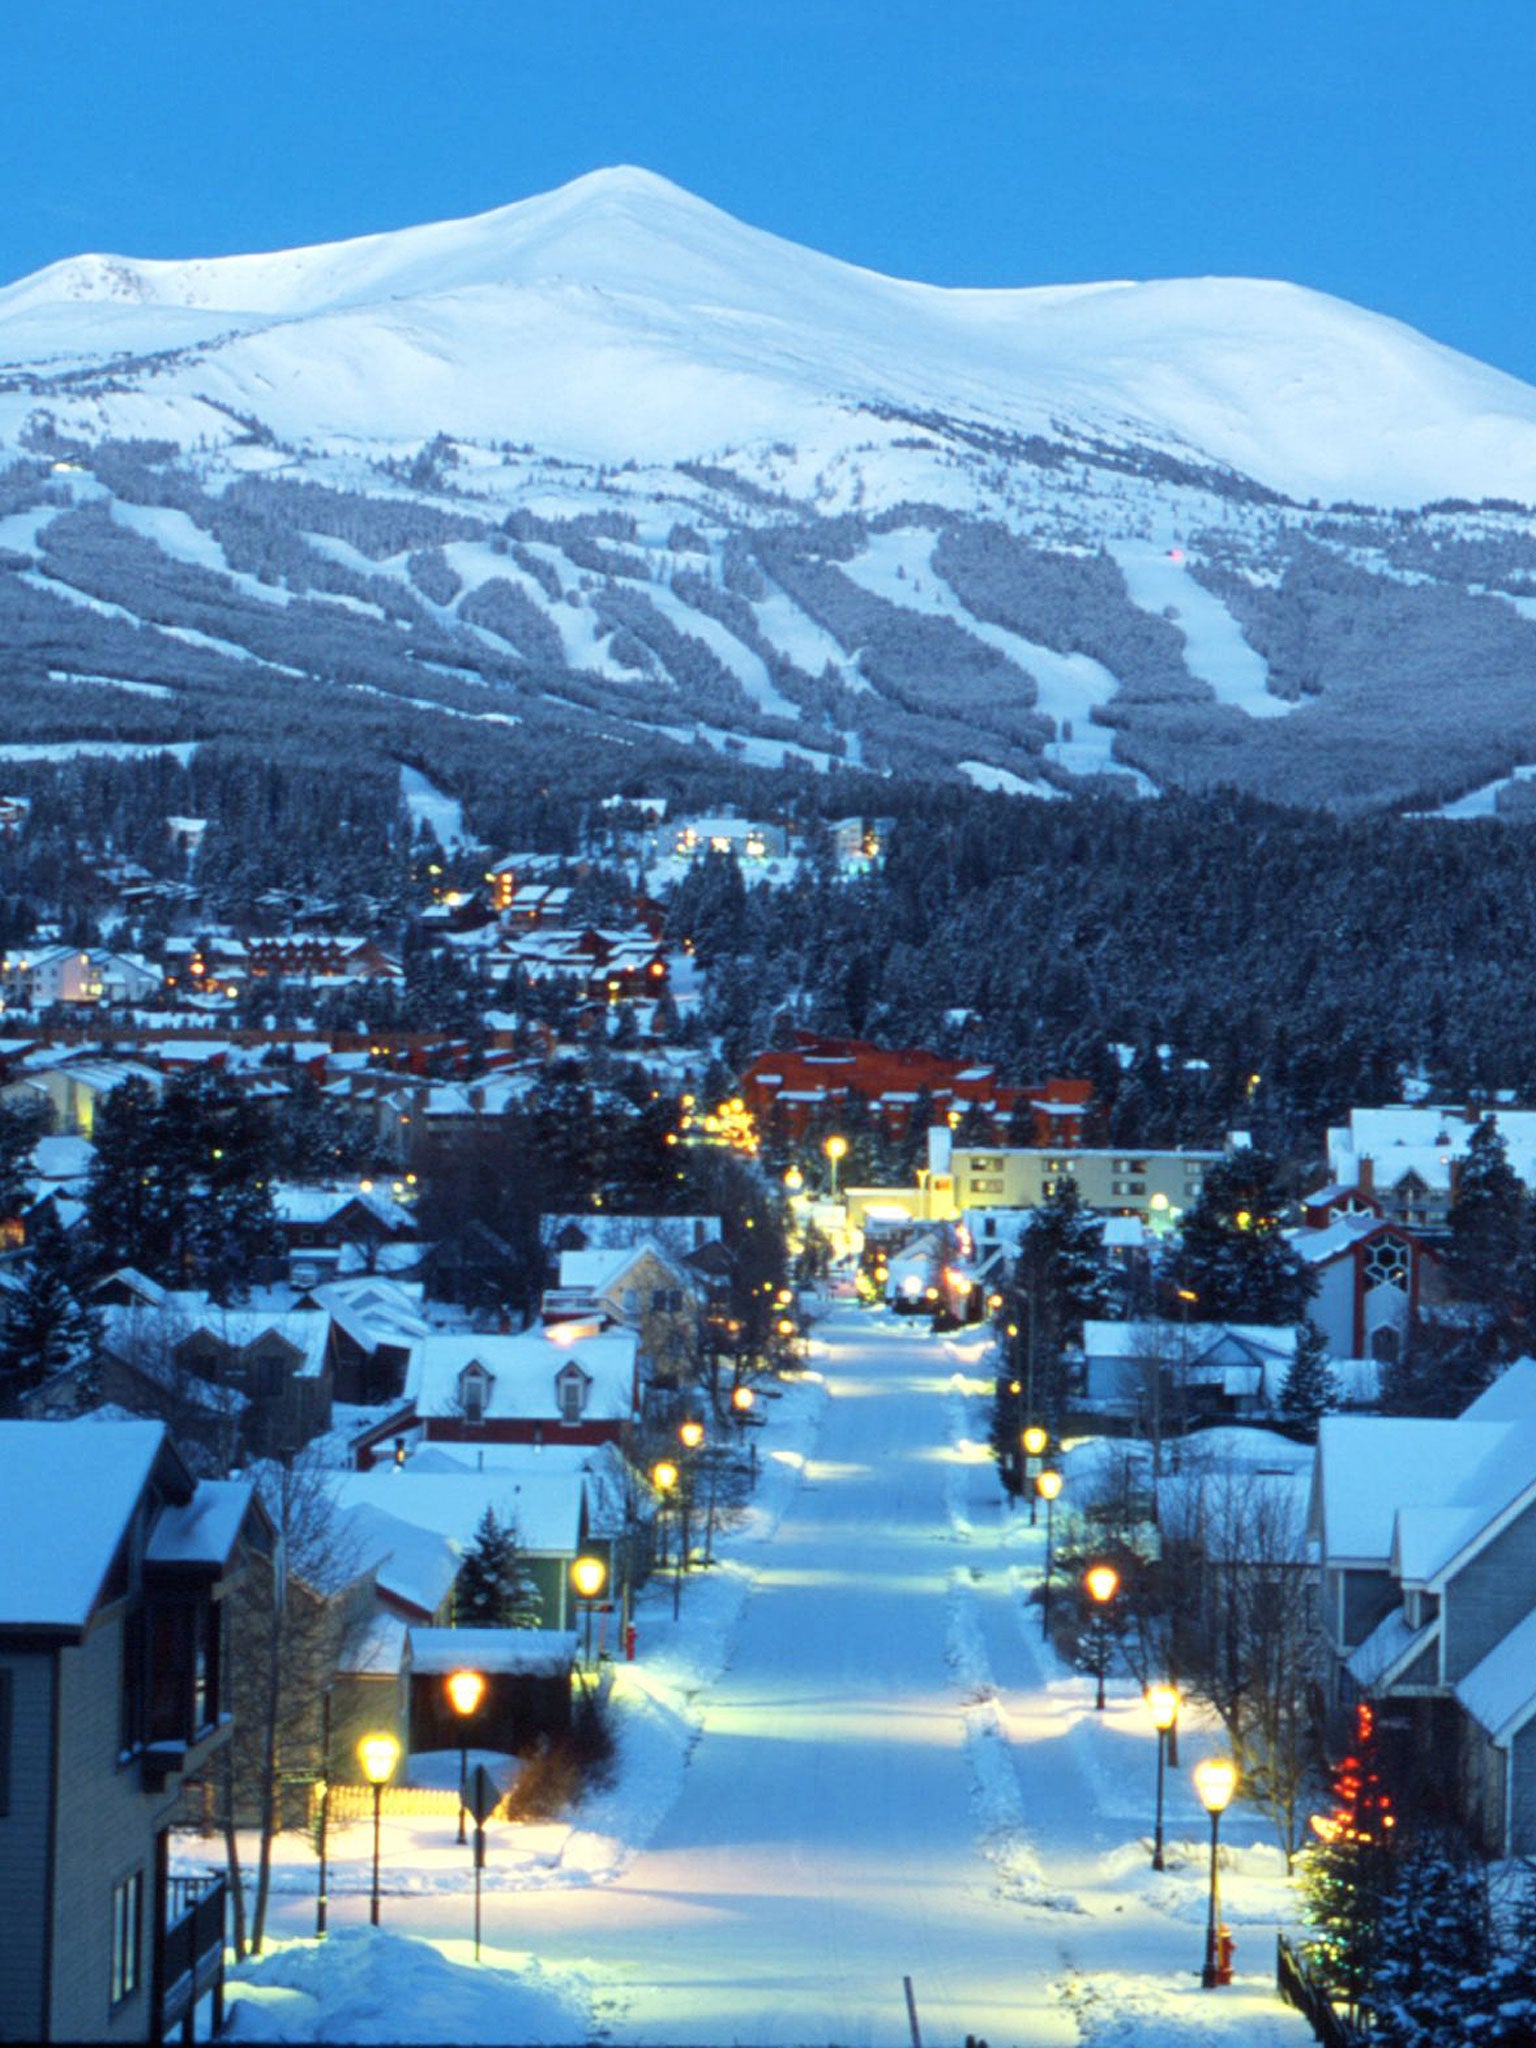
[940,1148]
[1365,1175]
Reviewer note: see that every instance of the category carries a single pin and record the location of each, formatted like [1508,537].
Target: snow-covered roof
[304,1202]
[205,1530]
[1414,1492]
[543,1506]
[523,1372]
[1509,1398]
[604,1267]
[529,1652]
[378,1653]
[417,1565]
[1191,1341]
[69,1490]
[1388,1649]
[62,1158]
[1500,1692]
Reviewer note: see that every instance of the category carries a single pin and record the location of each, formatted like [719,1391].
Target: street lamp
[1047,1485]
[1103,1582]
[836,1148]
[690,1435]
[1215,1781]
[465,1689]
[588,1576]
[1034,1441]
[664,1478]
[794,1180]
[378,1755]
[1163,1705]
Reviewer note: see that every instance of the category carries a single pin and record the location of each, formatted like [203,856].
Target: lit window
[127,1934]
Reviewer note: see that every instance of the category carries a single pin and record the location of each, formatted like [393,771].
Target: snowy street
[890,1778]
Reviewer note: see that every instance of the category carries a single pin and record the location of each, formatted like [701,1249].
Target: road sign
[482,1794]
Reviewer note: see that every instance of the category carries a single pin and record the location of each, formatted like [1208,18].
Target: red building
[808,1082]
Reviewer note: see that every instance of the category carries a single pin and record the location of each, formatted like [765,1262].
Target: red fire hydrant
[1224,1947]
[629,1642]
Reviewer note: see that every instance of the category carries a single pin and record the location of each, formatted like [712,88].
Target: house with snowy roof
[1373,1273]
[114,1571]
[1404,1157]
[1224,1371]
[578,1383]
[250,1377]
[641,1288]
[1426,1537]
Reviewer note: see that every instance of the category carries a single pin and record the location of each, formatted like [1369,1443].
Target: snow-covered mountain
[612,447]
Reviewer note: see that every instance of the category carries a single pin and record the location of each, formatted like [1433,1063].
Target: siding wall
[1490,1597]
[24,1846]
[1522,1759]
[1368,1598]
[107,1827]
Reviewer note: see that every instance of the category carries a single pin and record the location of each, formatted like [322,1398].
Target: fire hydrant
[1224,1947]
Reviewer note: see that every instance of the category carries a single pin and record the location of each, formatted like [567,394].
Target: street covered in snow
[852,1762]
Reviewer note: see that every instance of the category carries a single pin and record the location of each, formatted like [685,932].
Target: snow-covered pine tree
[45,1328]
[1310,1387]
[1233,1256]
[480,1598]
[1431,1945]
[495,1588]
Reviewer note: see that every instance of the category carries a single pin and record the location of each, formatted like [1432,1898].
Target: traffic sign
[482,1794]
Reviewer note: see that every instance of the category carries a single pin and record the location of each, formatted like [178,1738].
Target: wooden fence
[1299,1988]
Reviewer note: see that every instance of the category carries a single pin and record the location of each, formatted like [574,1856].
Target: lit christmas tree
[1345,1874]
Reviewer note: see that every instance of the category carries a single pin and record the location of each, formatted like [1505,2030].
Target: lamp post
[836,1149]
[1034,1440]
[1163,1705]
[465,1691]
[664,1479]
[1103,1582]
[1047,1485]
[1215,1781]
[588,1576]
[690,1435]
[378,1755]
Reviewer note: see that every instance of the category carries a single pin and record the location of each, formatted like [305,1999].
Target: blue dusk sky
[1382,150]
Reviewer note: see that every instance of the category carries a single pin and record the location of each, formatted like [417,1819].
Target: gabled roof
[1368,1466]
[524,1370]
[70,1490]
[1500,1692]
[1388,1651]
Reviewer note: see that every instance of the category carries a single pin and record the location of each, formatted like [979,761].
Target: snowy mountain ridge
[613,448]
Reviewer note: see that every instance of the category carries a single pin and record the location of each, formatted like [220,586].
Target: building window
[127,1934]
[571,1401]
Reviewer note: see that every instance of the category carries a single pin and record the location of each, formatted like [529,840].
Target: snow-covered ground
[851,1762]
[429,805]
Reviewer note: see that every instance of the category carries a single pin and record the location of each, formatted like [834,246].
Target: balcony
[191,1951]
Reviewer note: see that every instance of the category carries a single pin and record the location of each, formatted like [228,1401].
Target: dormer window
[571,1385]
[474,1391]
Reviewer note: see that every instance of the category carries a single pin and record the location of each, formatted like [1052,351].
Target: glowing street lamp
[794,1180]
[664,1479]
[378,1755]
[1163,1705]
[1047,1485]
[690,1435]
[1215,1781]
[589,1575]
[465,1689]
[1034,1441]
[1103,1582]
[836,1149]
